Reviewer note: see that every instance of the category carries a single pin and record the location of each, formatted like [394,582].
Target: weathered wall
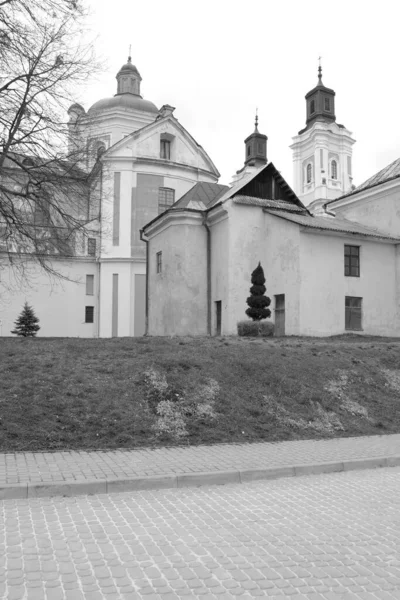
[324,286]
[380,210]
[220,272]
[178,295]
[59,304]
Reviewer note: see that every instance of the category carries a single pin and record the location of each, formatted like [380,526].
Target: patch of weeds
[176,410]
[337,387]
[392,378]
[325,421]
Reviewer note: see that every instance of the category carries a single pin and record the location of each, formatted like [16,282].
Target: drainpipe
[208,273]
[146,240]
[98,252]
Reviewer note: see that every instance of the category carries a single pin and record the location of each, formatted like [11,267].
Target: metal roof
[266,203]
[390,172]
[202,195]
[339,225]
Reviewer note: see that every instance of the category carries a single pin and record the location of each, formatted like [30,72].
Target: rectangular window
[353,313]
[166,198]
[165,149]
[159,262]
[91,246]
[352,261]
[89,314]
[327,104]
[89,285]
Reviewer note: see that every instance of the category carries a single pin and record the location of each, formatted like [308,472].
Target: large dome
[125,102]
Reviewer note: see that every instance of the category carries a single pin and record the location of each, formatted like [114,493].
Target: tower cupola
[128,78]
[256,147]
[320,103]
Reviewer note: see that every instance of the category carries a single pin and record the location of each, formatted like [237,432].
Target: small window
[165,149]
[352,261]
[327,104]
[89,285]
[159,262]
[334,169]
[92,246]
[312,107]
[309,173]
[248,150]
[89,314]
[353,321]
[166,198]
[349,165]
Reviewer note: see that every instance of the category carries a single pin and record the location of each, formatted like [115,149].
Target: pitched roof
[336,224]
[390,172]
[270,204]
[201,196]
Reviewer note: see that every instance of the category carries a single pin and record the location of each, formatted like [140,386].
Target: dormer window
[309,173]
[312,107]
[327,104]
[165,149]
[334,169]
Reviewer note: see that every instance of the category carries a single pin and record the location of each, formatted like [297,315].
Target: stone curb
[155,482]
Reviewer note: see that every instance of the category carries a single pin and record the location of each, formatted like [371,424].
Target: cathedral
[172,251]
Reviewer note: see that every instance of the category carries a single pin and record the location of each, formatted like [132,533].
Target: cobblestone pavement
[329,537]
[53,467]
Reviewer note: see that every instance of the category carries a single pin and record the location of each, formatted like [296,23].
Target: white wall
[324,286]
[59,304]
[178,295]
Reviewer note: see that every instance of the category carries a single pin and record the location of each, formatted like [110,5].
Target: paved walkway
[322,537]
[29,474]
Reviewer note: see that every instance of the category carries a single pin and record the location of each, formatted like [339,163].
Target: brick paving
[320,537]
[72,467]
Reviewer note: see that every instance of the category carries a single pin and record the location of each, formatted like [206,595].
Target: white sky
[216,60]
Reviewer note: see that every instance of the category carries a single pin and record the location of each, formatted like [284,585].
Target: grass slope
[90,394]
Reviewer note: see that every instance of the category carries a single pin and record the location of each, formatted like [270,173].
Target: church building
[330,253]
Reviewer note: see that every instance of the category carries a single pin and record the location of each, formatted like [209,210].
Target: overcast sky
[216,61]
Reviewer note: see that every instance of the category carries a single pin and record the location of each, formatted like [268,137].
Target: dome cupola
[256,147]
[128,78]
[320,103]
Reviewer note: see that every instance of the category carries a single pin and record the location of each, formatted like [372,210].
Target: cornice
[366,196]
[347,234]
[184,216]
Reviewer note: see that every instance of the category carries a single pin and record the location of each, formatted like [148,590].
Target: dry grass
[82,394]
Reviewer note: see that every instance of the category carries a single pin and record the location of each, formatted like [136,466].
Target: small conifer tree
[27,323]
[258,302]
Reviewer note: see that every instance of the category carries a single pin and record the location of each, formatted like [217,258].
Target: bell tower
[322,151]
[255,152]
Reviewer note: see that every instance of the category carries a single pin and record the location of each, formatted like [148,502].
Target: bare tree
[46,189]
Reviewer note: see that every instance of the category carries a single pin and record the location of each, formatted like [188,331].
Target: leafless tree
[46,189]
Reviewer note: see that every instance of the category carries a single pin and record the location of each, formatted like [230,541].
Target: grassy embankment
[91,394]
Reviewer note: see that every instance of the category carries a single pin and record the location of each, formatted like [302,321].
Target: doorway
[279,315]
[218,308]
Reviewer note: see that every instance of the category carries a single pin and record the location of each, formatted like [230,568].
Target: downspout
[208,273]
[99,253]
[146,240]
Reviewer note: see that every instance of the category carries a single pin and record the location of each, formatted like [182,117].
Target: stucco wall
[59,304]
[178,295]
[381,211]
[220,272]
[324,286]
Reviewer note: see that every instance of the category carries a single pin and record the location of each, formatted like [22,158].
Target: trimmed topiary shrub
[258,302]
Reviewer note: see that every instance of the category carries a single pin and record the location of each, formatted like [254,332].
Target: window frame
[91,243]
[312,107]
[159,262]
[165,204]
[334,169]
[352,265]
[309,173]
[327,104]
[353,312]
[89,314]
[165,149]
[89,286]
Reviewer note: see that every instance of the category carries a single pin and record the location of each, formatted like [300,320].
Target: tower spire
[319,71]
[256,122]
[130,54]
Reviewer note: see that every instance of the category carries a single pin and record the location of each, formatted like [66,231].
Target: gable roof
[155,125]
[201,195]
[388,173]
[335,224]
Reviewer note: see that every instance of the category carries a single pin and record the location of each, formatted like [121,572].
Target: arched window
[309,173]
[334,169]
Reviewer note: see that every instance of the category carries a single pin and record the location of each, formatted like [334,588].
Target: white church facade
[146,160]
[173,251]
